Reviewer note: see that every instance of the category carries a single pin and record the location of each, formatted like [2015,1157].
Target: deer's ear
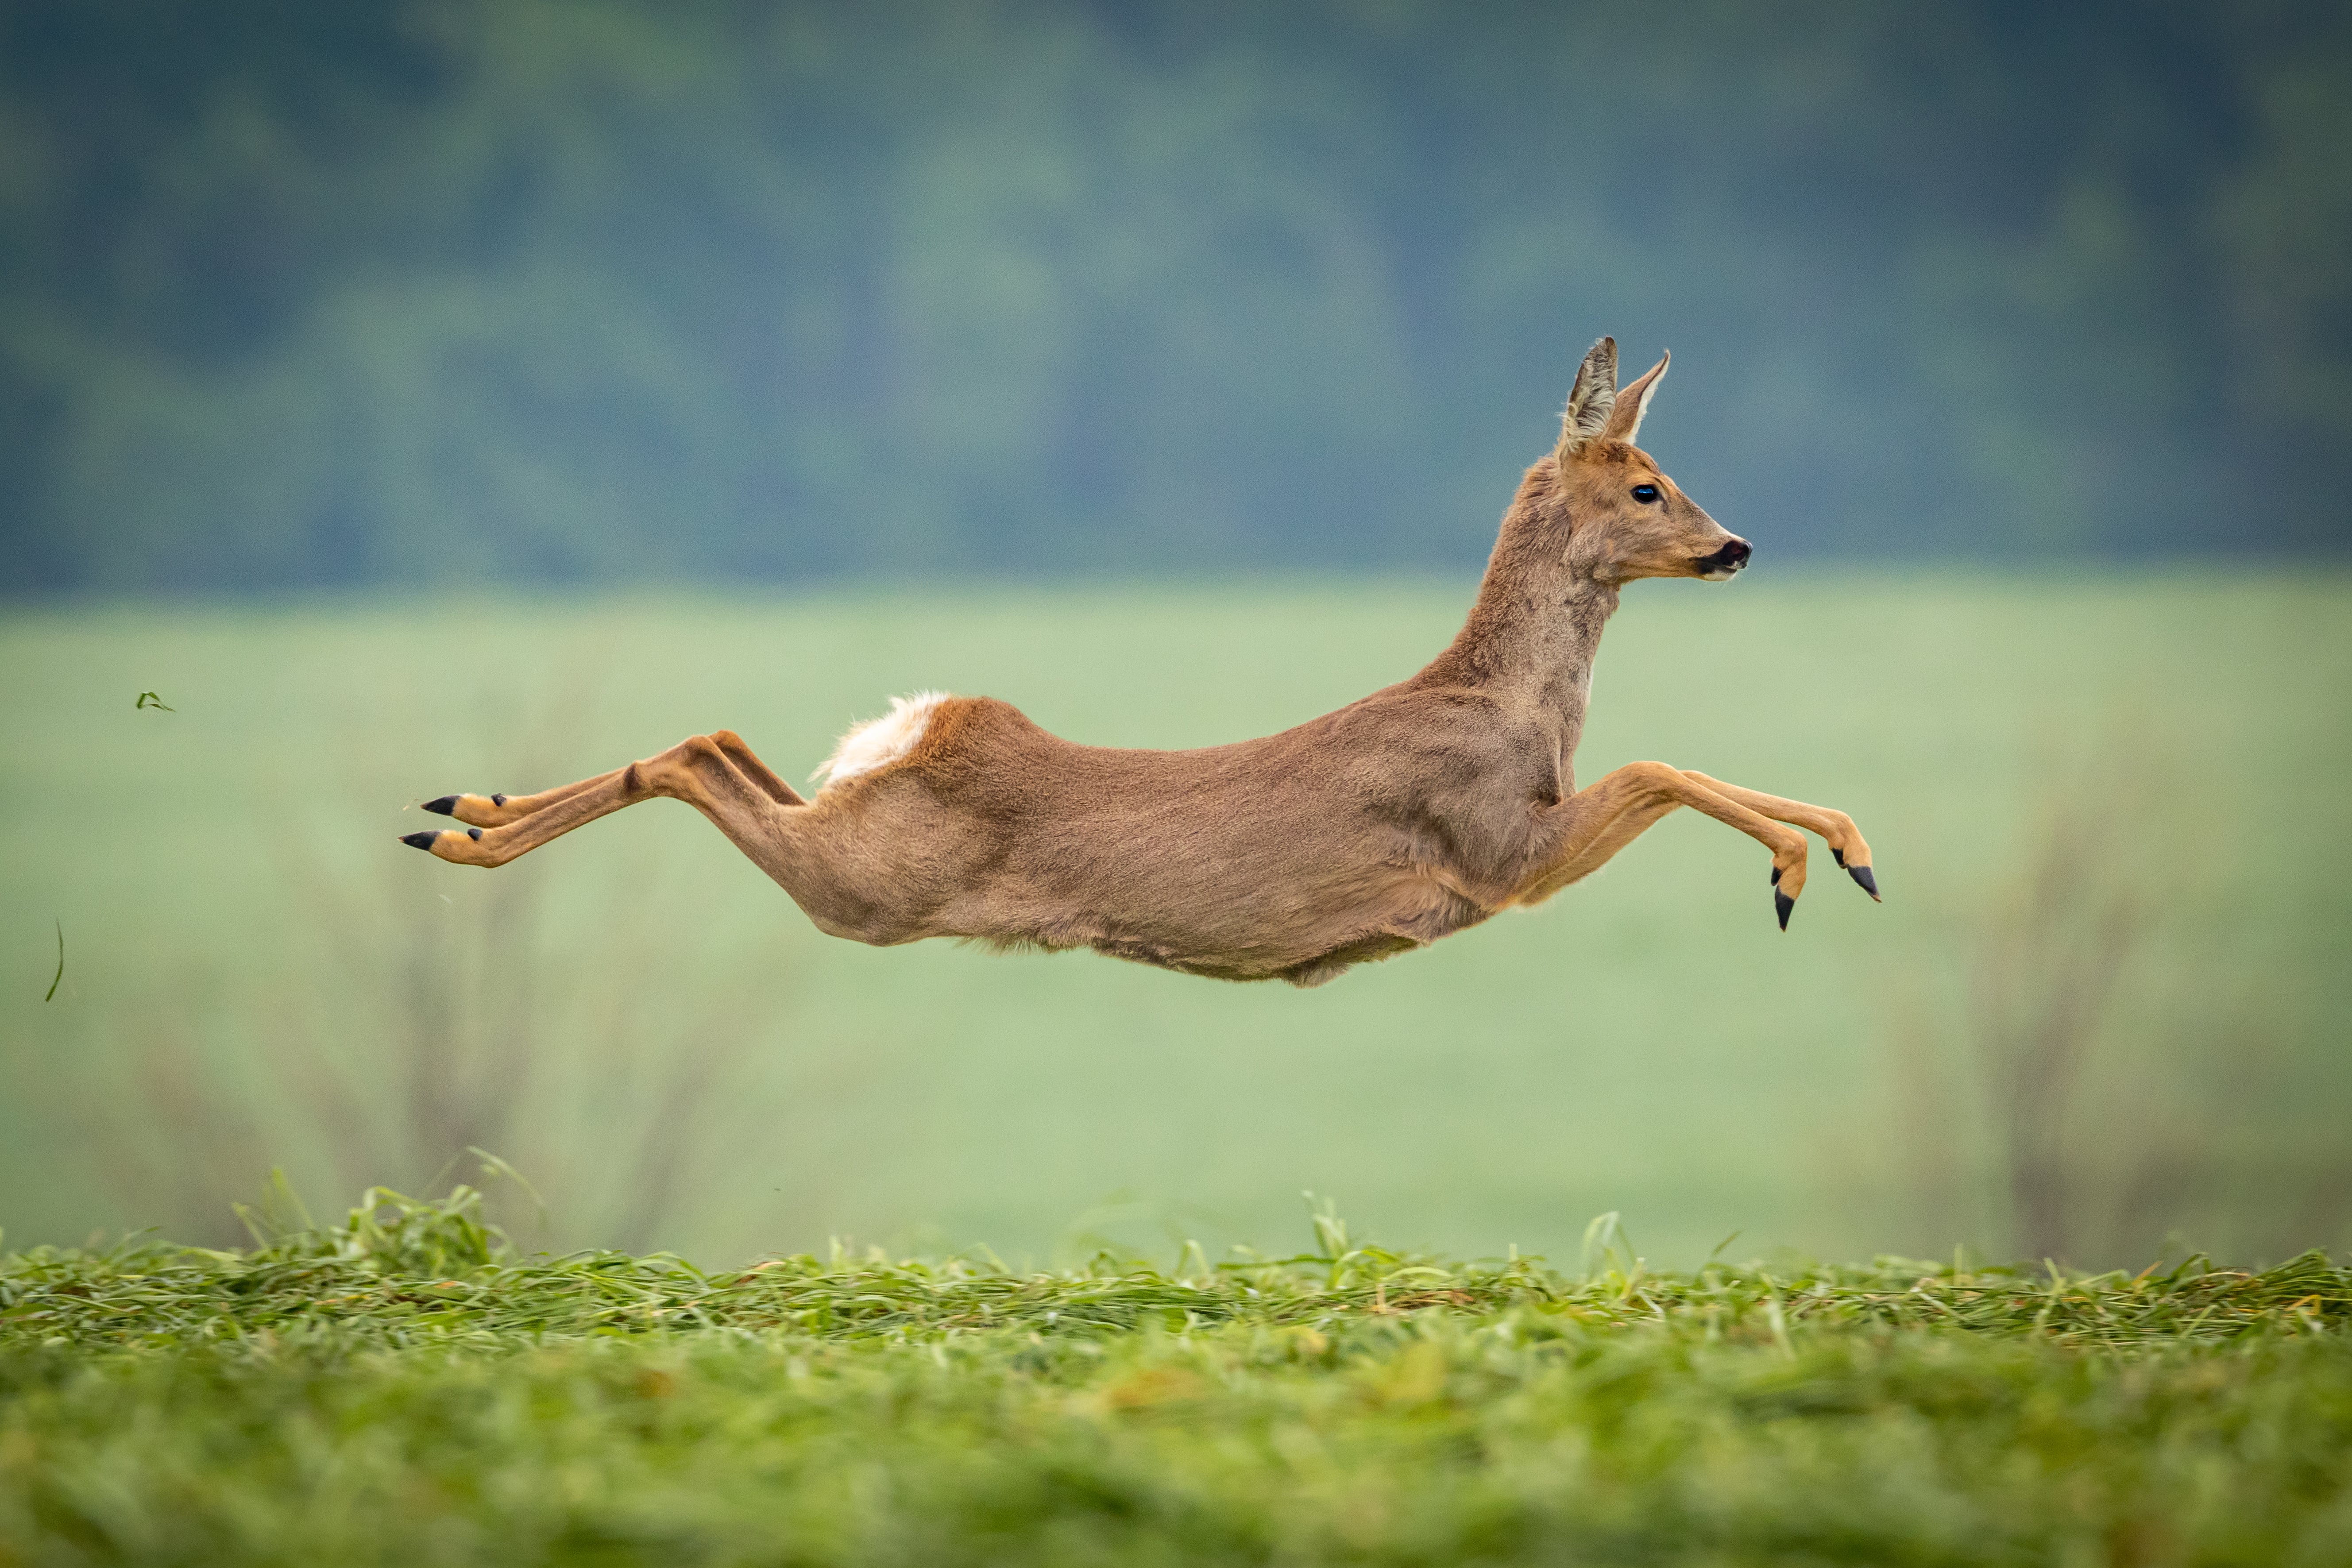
[1590,400]
[1625,419]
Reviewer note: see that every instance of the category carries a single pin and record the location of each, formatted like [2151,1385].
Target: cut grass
[397,1389]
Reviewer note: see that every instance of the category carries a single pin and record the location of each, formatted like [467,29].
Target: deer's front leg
[1835,827]
[1597,821]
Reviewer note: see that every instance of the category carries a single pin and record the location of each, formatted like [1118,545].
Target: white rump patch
[878,742]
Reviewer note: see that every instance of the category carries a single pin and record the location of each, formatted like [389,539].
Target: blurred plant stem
[2065,1104]
[2041,983]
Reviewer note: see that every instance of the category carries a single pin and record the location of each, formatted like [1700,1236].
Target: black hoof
[1837,854]
[419,841]
[1861,874]
[1781,904]
[446,806]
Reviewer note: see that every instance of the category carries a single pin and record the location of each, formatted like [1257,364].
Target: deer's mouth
[1721,565]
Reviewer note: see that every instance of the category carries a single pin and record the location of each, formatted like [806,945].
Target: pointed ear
[1590,400]
[1625,419]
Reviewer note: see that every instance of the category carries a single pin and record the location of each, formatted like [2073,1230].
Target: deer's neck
[1529,644]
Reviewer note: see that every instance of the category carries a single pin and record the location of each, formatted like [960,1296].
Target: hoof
[444,806]
[1781,904]
[420,840]
[1868,883]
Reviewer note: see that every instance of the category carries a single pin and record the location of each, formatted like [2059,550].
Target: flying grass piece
[149,700]
[58,978]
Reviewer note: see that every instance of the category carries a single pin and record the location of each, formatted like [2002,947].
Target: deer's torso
[1387,824]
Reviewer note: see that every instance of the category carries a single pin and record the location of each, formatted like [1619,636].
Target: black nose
[1730,558]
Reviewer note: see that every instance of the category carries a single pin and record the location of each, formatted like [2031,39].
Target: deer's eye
[1646,494]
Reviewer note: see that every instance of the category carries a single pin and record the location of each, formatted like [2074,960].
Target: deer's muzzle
[1715,568]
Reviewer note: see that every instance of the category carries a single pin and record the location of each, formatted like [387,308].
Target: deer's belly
[1251,934]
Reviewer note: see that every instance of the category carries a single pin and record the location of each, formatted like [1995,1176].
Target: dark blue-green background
[410,292]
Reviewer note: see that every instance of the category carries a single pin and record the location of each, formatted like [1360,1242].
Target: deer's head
[1627,519]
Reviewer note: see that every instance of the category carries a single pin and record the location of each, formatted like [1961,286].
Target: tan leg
[698,770]
[747,763]
[845,870]
[498,810]
[1834,827]
[1602,819]
[1590,853]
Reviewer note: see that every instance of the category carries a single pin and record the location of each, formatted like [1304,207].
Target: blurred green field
[257,975]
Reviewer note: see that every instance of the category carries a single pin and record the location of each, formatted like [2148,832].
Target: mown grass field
[395,1390]
[256,975]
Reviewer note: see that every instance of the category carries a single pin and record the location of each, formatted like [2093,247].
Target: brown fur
[1401,818]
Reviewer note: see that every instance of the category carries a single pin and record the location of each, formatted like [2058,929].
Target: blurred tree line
[424,291]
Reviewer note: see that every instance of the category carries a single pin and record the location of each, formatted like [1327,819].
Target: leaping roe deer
[1422,809]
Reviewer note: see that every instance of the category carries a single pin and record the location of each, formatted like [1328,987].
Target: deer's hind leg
[702,770]
[866,869]
[498,810]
